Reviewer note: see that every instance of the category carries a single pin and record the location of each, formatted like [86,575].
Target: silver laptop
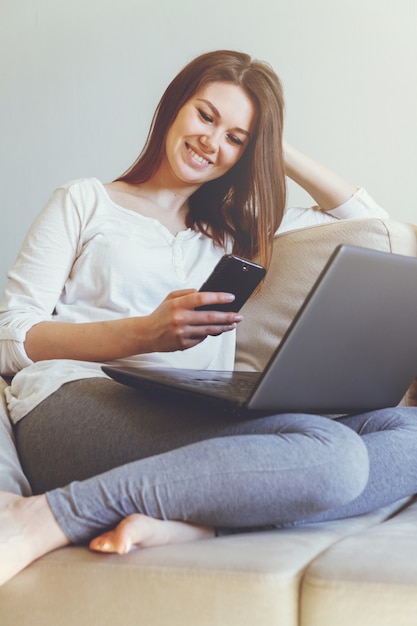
[351,348]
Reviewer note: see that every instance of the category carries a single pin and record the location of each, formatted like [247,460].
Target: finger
[214,318]
[180,293]
[204,331]
[207,298]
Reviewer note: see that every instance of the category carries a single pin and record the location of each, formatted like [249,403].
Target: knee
[393,419]
[403,418]
[334,457]
[346,469]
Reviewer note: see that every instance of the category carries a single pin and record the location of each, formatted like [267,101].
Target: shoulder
[80,187]
[81,196]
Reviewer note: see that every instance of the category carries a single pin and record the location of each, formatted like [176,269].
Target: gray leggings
[103,451]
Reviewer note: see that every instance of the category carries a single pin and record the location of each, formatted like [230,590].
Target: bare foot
[28,530]
[143,531]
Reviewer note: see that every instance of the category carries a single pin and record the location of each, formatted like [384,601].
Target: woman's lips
[198,157]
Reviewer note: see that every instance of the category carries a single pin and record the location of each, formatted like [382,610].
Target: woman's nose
[209,143]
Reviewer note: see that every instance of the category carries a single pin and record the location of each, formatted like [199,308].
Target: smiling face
[209,134]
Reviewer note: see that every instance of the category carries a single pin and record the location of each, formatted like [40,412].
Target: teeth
[197,157]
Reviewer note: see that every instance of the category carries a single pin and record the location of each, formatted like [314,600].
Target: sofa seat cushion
[370,578]
[240,580]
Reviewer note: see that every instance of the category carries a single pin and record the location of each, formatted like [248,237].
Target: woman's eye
[235,140]
[206,117]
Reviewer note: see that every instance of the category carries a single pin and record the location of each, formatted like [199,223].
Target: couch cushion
[298,258]
[370,578]
[239,580]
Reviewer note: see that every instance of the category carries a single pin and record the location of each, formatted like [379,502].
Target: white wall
[79,81]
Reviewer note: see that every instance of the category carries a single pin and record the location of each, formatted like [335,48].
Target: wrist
[295,163]
[138,336]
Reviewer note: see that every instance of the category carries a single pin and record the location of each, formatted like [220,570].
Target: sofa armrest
[12,477]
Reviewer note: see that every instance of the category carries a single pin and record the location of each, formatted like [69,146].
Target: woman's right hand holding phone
[177,325]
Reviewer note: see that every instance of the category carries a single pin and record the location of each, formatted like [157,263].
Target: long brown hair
[247,203]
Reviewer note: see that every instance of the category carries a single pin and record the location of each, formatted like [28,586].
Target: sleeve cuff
[13,356]
[358,206]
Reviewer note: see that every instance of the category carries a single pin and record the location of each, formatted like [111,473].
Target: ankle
[50,534]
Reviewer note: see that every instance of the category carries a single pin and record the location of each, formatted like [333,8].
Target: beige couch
[354,572]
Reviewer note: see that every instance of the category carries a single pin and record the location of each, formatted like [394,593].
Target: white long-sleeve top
[87,259]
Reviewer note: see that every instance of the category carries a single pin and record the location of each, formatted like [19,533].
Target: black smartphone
[233,275]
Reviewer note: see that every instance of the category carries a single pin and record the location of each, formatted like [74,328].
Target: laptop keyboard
[234,384]
[226,385]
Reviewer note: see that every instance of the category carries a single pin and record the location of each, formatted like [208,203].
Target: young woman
[109,273]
